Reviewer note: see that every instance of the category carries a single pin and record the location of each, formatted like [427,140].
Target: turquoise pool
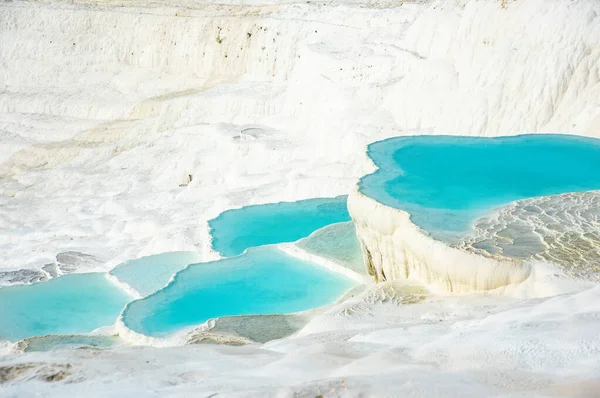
[261,281]
[69,304]
[234,231]
[446,183]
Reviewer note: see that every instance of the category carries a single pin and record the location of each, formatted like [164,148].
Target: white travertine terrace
[395,248]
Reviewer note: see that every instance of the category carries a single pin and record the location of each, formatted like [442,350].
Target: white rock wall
[395,248]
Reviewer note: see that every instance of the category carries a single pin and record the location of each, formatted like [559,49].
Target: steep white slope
[490,70]
[394,249]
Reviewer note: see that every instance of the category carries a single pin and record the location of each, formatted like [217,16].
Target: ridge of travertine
[395,248]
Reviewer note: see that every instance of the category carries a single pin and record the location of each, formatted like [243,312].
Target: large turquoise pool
[234,231]
[446,183]
[261,281]
[67,305]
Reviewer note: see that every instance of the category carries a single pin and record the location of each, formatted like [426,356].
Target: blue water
[262,281]
[67,305]
[234,231]
[151,273]
[445,182]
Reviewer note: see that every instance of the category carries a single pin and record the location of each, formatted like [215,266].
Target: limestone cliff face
[395,248]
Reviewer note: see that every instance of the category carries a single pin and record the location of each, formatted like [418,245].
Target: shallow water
[234,231]
[337,242]
[446,183]
[70,304]
[262,281]
[243,329]
[149,274]
[561,229]
[68,342]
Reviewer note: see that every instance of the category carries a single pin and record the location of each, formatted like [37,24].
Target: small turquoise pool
[234,231]
[70,304]
[151,273]
[261,281]
[446,183]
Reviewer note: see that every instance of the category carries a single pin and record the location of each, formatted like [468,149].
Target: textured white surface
[562,229]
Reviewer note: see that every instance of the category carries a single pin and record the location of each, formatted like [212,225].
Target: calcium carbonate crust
[395,248]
